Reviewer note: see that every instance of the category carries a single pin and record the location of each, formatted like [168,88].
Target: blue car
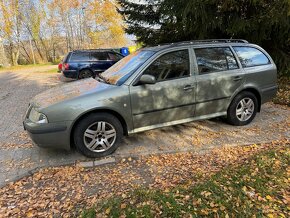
[82,64]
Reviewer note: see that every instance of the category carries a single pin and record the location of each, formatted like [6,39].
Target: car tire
[242,109]
[98,135]
[85,74]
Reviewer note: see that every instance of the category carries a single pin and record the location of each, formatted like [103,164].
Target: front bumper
[49,135]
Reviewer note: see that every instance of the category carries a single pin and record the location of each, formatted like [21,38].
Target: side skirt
[176,122]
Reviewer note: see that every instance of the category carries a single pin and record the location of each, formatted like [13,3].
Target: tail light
[65,66]
[60,66]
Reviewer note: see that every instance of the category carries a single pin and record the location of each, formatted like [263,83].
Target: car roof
[210,42]
[95,50]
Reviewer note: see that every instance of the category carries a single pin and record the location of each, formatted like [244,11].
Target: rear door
[219,76]
[100,61]
[172,98]
[79,60]
[114,57]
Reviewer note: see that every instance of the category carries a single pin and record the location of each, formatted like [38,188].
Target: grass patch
[258,187]
[49,71]
[20,67]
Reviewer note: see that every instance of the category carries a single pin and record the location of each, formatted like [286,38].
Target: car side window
[212,60]
[170,66]
[80,56]
[250,56]
[114,57]
[99,56]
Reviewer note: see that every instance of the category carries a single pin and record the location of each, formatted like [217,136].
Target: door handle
[188,87]
[237,78]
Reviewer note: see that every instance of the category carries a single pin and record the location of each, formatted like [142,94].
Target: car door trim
[183,105]
[171,123]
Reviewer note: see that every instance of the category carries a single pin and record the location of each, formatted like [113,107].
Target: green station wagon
[154,87]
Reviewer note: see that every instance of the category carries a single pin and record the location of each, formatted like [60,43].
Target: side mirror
[147,79]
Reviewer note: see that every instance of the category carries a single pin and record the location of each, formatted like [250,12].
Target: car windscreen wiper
[102,79]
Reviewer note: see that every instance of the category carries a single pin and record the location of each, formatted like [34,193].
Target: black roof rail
[207,41]
[96,49]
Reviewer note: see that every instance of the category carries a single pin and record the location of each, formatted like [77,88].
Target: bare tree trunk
[26,52]
[45,48]
[32,52]
[3,58]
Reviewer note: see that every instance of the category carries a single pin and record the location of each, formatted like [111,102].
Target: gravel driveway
[18,157]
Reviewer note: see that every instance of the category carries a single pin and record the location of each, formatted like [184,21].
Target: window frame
[239,66]
[94,52]
[70,59]
[260,50]
[160,54]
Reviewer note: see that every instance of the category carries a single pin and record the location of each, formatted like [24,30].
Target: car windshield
[122,70]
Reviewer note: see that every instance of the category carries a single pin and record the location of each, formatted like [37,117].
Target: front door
[172,98]
[219,76]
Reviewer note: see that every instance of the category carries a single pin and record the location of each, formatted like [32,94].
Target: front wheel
[243,109]
[98,135]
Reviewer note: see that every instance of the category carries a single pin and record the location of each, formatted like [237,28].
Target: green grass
[20,67]
[54,70]
[257,187]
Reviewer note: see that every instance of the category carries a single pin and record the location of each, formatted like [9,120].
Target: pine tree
[265,22]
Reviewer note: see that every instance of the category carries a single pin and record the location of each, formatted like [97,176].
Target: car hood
[68,91]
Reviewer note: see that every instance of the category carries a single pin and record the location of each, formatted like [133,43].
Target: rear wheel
[98,135]
[85,74]
[243,109]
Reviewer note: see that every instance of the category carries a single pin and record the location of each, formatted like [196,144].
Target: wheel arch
[255,92]
[83,69]
[109,111]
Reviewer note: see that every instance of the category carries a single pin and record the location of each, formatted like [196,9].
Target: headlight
[37,117]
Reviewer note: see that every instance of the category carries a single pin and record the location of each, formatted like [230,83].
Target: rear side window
[80,56]
[251,57]
[172,65]
[100,56]
[114,57]
[212,60]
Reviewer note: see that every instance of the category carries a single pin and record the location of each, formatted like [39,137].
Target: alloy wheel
[245,109]
[100,136]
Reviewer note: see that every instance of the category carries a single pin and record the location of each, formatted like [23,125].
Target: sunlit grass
[257,187]
[20,67]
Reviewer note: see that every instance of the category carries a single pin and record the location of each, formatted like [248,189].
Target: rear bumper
[268,94]
[73,74]
[50,135]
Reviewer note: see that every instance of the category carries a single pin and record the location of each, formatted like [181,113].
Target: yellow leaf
[270,215]
[108,210]
[268,197]
[29,214]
